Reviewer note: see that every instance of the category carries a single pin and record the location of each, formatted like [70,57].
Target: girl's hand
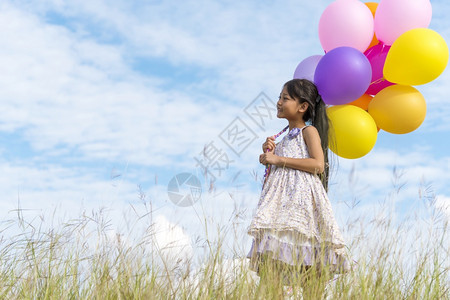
[270,158]
[269,144]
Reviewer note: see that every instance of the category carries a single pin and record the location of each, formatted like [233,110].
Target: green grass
[79,259]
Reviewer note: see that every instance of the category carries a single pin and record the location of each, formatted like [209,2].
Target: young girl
[294,230]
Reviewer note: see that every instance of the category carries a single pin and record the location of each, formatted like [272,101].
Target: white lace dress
[294,221]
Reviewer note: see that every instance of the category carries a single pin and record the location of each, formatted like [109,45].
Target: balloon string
[378,81]
[268,166]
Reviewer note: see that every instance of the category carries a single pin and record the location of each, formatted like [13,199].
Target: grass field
[81,259]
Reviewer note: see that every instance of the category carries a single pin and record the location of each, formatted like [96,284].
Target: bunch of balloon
[415,55]
[374,53]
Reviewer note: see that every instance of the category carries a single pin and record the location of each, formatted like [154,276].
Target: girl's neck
[296,123]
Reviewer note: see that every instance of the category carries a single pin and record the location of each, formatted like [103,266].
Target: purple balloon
[307,67]
[342,75]
[377,57]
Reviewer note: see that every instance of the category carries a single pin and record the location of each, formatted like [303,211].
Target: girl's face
[289,108]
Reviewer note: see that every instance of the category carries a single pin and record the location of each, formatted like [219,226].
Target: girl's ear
[303,107]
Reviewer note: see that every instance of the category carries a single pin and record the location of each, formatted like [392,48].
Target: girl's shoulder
[310,134]
[306,133]
[310,130]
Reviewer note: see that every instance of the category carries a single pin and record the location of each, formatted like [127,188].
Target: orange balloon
[373,8]
[398,109]
[362,101]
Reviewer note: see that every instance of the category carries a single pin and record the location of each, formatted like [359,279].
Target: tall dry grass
[81,259]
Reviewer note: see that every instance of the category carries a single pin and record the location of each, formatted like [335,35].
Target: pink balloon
[395,17]
[307,67]
[346,23]
[377,56]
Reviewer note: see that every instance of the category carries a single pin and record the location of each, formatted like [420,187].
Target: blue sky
[103,100]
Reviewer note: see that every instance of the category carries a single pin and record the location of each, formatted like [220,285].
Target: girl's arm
[314,164]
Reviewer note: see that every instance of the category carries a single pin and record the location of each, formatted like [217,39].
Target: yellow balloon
[398,109]
[353,132]
[416,57]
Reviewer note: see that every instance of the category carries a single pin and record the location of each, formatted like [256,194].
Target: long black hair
[305,91]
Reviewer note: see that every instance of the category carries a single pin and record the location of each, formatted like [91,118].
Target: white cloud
[42,189]
[403,183]
[443,204]
[82,94]
[227,39]
[170,241]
